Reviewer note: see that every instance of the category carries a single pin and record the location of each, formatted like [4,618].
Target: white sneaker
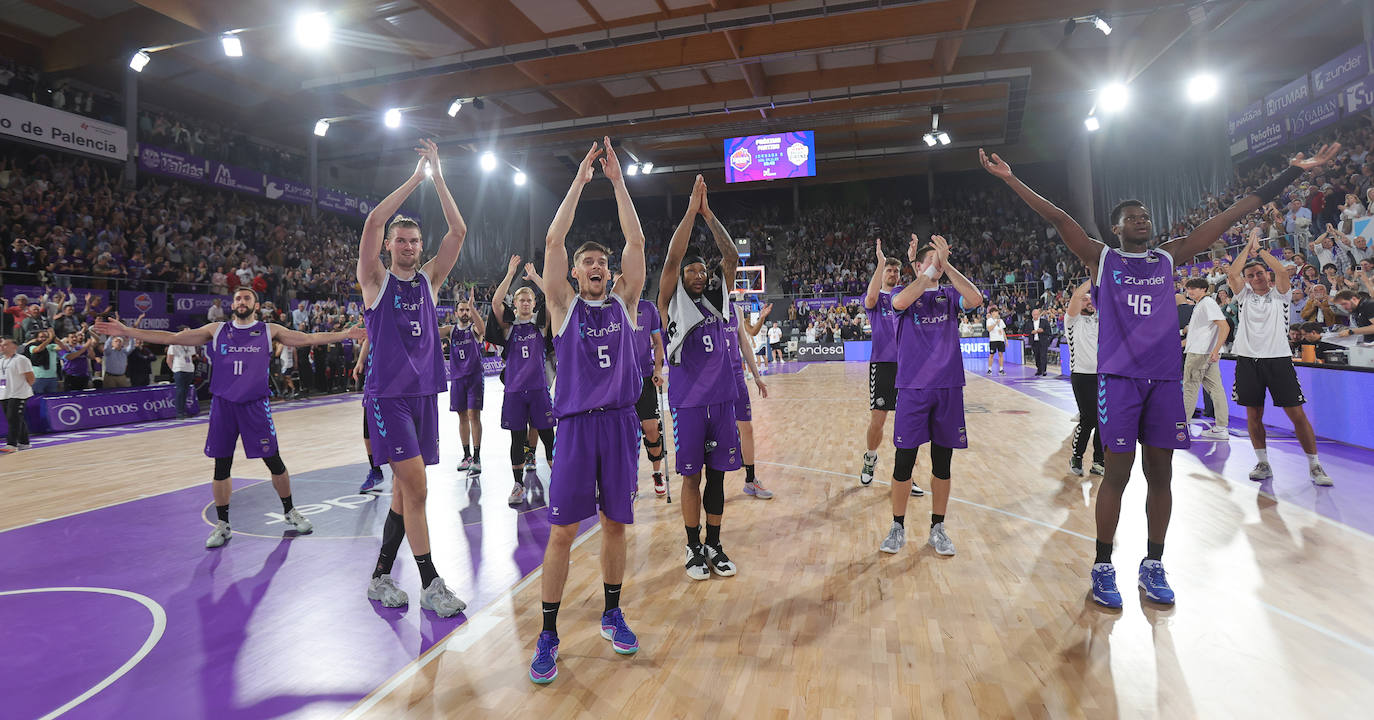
[1218,434]
[870,465]
[1262,471]
[298,522]
[895,540]
[24,446]
[383,589]
[219,535]
[696,563]
[916,490]
[440,599]
[720,563]
[940,541]
[1319,477]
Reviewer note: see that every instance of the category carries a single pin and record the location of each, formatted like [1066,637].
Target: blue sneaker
[374,478]
[613,628]
[544,667]
[1153,583]
[1104,586]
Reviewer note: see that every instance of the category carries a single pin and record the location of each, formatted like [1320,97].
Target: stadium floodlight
[943,137]
[520,177]
[1113,98]
[1091,123]
[930,139]
[646,168]
[455,107]
[139,61]
[632,170]
[392,118]
[313,30]
[233,47]
[1202,87]
[1101,24]
[488,161]
[321,127]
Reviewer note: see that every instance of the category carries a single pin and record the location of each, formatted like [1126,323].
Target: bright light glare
[930,139]
[1113,98]
[139,61]
[647,168]
[520,177]
[632,170]
[233,47]
[488,161]
[1202,88]
[429,171]
[313,30]
[1091,123]
[321,127]
[455,108]
[392,118]
[943,137]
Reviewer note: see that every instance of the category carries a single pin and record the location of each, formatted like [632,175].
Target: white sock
[1262,454]
[1312,460]
[871,454]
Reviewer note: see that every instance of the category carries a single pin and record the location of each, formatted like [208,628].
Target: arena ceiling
[670,78]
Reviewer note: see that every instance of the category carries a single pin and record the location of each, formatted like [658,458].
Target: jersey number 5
[602,359]
[1139,303]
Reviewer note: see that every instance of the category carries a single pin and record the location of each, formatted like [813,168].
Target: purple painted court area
[269,625]
[1350,502]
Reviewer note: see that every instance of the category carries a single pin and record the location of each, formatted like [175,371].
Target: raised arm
[632,269]
[1087,249]
[196,336]
[1281,281]
[559,292]
[1235,275]
[498,298]
[296,338]
[927,277]
[677,249]
[754,328]
[439,266]
[1080,298]
[478,324]
[875,283]
[371,272]
[1183,249]
[729,255]
[970,294]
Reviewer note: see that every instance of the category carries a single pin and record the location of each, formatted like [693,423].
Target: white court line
[464,637]
[1351,642]
[154,635]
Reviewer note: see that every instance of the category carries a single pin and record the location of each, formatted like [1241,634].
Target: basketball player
[695,303]
[737,335]
[930,382]
[649,328]
[1138,386]
[997,341]
[882,363]
[599,366]
[465,392]
[1263,327]
[526,403]
[1080,324]
[374,473]
[406,374]
[240,361]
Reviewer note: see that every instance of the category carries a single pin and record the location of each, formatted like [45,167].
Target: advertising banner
[50,126]
[1315,116]
[276,188]
[98,408]
[816,303]
[338,202]
[770,157]
[820,352]
[1287,97]
[1244,121]
[1340,71]
[151,305]
[100,299]
[190,308]
[1268,137]
[1359,95]
[172,163]
[236,178]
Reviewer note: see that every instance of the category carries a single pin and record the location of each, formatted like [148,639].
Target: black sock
[477,452]
[223,512]
[612,593]
[899,519]
[1104,552]
[371,462]
[693,534]
[551,617]
[749,473]
[519,473]
[393,532]
[467,450]
[712,535]
[286,504]
[1154,551]
[427,571]
[936,519]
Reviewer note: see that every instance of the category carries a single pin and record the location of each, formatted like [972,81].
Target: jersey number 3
[415,328]
[1140,304]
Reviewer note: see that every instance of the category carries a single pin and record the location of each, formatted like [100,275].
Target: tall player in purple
[882,364]
[467,382]
[240,361]
[1138,386]
[598,383]
[695,305]
[406,374]
[526,404]
[930,386]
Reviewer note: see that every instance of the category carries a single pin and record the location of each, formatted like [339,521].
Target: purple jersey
[77,366]
[732,342]
[464,351]
[703,375]
[525,358]
[884,321]
[598,356]
[928,353]
[1137,333]
[649,323]
[240,360]
[404,355]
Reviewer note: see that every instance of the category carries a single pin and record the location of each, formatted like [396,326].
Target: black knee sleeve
[904,462]
[546,437]
[517,447]
[654,449]
[275,465]
[713,495]
[939,460]
[222,466]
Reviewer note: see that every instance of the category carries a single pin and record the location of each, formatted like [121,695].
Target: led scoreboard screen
[770,157]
